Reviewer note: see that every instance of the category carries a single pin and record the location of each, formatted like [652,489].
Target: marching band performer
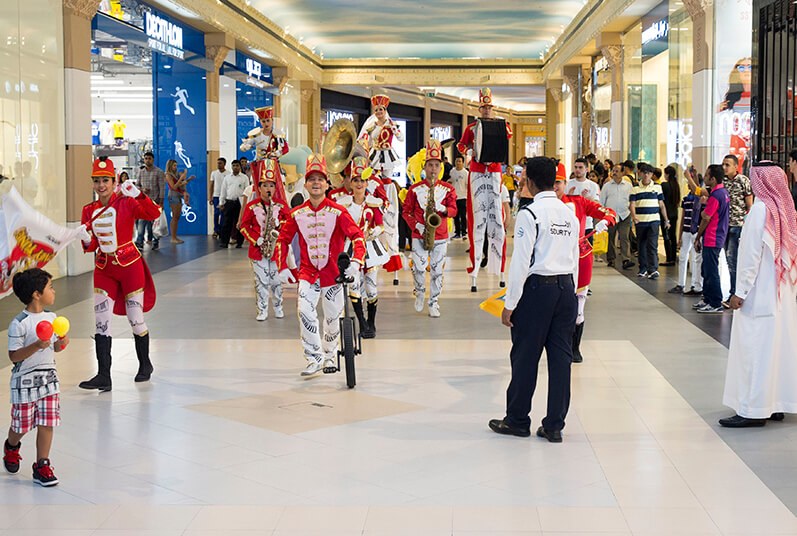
[377,135]
[122,281]
[366,211]
[260,226]
[322,226]
[268,144]
[605,217]
[484,200]
[428,200]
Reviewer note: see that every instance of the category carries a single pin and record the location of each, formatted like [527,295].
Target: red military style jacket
[466,142]
[322,237]
[254,221]
[414,210]
[584,207]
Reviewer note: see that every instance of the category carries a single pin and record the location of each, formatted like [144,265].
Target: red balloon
[44,330]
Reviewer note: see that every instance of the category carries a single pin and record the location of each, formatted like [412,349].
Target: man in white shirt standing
[214,189]
[232,193]
[584,187]
[616,195]
[540,306]
[459,180]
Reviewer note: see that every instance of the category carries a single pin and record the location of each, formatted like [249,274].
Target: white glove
[83,234]
[286,277]
[421,228]
[129,189]
[259,242]
[440,207]
[601,226]
[246,145]
[352,271]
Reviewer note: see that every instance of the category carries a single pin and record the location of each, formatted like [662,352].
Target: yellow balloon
[60,326]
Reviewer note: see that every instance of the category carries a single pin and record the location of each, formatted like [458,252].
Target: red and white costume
[323,231]
[253,226]
[378,139]
[485,212]
[267,146]
[414,212]
[368,216]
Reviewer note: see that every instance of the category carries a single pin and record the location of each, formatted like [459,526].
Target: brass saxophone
[432,221]
[270,234]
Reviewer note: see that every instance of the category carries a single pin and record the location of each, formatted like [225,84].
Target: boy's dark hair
[628,164]
[642,167]
[29,281]
[235,162]
[149,153]
[542,171]
[657,172]
[222,159]
[716,171]
[732,157]
[460,157]
[793,154]
[582,161]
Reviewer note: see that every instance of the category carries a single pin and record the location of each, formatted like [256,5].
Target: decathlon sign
[254,70]
[654,32]
[164,36]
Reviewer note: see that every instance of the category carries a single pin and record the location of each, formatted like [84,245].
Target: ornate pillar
[217,46]
[572,77]
[279,79]
[427,119]
[614,56]
[553,98]
[586,111]
[702,14]
[311,114]
[77,104]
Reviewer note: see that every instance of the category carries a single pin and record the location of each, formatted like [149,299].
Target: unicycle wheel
[348,350]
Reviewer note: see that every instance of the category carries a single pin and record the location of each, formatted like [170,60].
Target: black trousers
[461,219]
[231,210]
[545,317]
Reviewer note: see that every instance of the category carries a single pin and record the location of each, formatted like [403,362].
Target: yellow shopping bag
[494,304]
[600,243]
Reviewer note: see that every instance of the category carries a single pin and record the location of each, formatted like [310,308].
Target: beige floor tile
[11,513]
[670,521]
[50,516]
[563,519]
[312,518]
[496,519]
[754,520]
[408,518]
[143,517]
[223,517]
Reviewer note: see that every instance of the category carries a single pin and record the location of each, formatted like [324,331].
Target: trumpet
[432,221]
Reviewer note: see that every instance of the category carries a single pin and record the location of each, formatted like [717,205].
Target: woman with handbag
[177,194]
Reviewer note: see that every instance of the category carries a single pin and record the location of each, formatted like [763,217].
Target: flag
[494,304]
[28,239]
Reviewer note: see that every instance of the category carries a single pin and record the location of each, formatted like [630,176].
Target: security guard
[541,305]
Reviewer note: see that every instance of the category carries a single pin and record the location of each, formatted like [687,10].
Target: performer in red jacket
[414,212]
[122,281]
[269,144]
[485,214]
[262,238]
[323,227]
[604,218]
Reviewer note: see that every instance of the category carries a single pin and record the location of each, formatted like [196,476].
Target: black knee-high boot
[102,381]
[142,353]
[579,331]
[372,315]
[365,331]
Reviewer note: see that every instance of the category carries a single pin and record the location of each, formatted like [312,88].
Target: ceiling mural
[423,29]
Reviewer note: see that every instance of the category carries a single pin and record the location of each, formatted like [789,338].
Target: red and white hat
[561,174]
[266,112]
[268,171]
[103,167]
[434,151]
[485,97]
[316,163]
[380,100]
[358,166]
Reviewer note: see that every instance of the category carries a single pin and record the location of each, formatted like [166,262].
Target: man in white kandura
[761,382]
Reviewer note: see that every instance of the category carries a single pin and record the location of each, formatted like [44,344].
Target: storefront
[148,87]
[601,109]
[534,139]
[446,126]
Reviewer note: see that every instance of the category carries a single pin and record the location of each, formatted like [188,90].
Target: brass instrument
[338,148]
[270,234]
[432,221]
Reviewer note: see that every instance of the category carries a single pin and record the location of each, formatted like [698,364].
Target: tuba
[338,148]
[432,221]
[270,234]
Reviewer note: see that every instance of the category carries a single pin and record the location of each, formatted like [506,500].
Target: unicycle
[350,344]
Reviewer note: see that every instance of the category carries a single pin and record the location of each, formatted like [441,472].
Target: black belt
[551,279]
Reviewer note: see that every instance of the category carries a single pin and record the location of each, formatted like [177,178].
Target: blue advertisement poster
[249,96]
[181,133]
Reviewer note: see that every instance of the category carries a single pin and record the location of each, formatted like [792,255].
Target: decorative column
[311,114]
[701,12]
[77,104]
[586,111]
[553,96]
[217,46]
[572,77]
[427,119]
[279,77]
[614,56]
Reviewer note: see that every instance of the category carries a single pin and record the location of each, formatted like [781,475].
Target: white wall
[228,139]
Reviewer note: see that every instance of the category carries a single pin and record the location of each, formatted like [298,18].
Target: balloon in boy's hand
[60,326]
[44,330]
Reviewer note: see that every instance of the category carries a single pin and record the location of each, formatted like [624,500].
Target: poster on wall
[732,77]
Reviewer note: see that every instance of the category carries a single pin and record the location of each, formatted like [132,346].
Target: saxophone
[270,234]
[432,221]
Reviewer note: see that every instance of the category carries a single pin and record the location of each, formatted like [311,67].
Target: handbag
[161,227]
[600,243]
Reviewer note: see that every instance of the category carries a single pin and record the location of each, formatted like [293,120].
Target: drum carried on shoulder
[490,143]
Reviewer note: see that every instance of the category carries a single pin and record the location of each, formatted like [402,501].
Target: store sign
[601,65]
[164,36]
[334,115]
[440,133]
[602,137]
[679,142]
[657,30]
[254,70]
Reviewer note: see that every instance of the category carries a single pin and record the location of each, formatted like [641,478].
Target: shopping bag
[161,226]
[600,243]
[494,304]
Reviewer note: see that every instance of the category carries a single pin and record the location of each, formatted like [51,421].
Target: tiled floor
[228,439]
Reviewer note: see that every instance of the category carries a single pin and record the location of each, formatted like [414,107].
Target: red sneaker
[43,473]
[11,457]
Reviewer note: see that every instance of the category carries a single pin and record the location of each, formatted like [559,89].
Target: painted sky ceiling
[417,29]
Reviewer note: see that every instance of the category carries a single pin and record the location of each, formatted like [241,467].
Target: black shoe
[737,421]
[473,289]
[372,317]
[499,426]
[484,262]
[223,246]
[627,265]
[554,436]
[610,264]
[11,457]
[365,330]
[145,367]
[577,333]
[677,289]
[140,245]
[693,292]
[238,246]
[777,417]
[667,263]
[43,473]
[102,381]
[155,246]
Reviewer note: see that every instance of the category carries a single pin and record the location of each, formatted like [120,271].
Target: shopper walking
[616,195]
[152,183]
[672,198]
